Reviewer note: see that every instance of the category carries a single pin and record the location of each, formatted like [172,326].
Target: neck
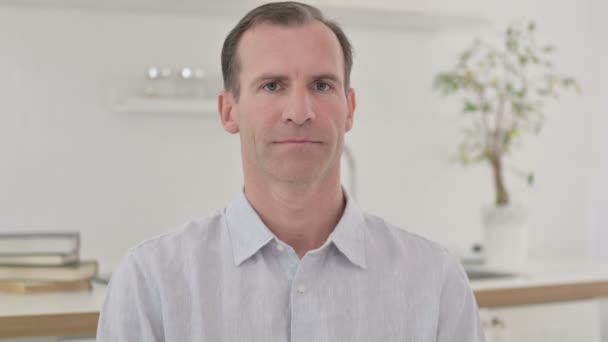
[302,216]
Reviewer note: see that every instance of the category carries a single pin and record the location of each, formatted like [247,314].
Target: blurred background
[78,152]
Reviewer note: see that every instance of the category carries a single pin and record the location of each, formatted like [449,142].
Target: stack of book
[43,262]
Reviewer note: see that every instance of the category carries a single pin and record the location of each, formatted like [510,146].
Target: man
[291,258]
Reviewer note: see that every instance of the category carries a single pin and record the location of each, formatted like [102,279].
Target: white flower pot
[505,236]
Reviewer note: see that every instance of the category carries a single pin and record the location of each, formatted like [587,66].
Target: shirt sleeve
[458,315]
[131,311]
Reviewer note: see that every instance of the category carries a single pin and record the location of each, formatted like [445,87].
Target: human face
[293,109]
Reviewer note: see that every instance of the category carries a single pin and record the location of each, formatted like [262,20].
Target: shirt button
[280,247]
[301,289]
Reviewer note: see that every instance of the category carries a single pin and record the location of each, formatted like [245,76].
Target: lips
[297,141]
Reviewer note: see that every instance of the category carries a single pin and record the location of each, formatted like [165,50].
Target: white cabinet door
[554,322]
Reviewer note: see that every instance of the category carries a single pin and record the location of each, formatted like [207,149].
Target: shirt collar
[247,231]
[349,233]
[248,234]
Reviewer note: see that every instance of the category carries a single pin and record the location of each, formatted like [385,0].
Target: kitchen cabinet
[550,322]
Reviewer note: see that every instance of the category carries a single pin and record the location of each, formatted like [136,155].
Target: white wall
[598,182]
[69,162]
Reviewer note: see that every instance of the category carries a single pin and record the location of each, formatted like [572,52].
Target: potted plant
[503,90]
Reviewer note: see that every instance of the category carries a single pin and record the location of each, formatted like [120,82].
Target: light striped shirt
[229,278]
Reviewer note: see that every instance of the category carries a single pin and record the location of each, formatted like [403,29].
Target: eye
[322,86]
[272,86]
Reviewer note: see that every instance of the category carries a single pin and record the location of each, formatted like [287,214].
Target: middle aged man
[292,258]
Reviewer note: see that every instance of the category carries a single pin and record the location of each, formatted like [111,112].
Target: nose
[299,109]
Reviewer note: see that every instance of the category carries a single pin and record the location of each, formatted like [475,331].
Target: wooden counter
[541,294]
[51,314]
[544,282]
[74,324]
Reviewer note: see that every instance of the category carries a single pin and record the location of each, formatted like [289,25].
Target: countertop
[543,281]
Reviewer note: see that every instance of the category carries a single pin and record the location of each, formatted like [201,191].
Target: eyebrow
[268,77]
[279,77]
[328,76]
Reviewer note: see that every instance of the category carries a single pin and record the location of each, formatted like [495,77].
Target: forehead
[299,49]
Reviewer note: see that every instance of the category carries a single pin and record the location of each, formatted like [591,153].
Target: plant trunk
[502,197]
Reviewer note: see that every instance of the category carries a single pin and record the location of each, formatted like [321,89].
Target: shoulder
[162,252]
[401,241]
[194,232]
[391,244]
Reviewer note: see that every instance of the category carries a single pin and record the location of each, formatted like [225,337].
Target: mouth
[297,141]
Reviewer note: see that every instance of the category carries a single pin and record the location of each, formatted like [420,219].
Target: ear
[352,104]
[225,107]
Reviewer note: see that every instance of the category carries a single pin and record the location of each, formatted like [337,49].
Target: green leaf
[531,26]
[548,49]
[464,58]
[512,45]
[491,57]
[531,178]
[447,83]
[470,107]
[523,60]
[465,158]
[520,108]
[506,140]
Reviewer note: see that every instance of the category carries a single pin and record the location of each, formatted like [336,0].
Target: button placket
[299,282]
[301,299]
[286,260]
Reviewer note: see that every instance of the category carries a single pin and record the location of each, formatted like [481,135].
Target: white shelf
[202,107]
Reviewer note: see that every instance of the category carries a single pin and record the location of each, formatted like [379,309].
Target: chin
[298,173]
